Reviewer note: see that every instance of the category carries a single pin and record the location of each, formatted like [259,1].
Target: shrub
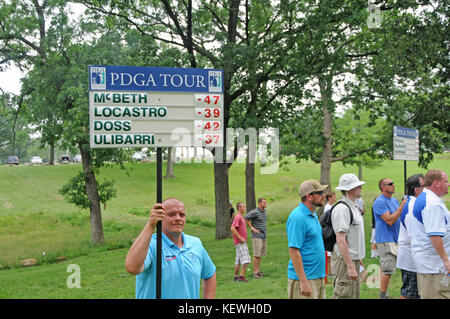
[75,191]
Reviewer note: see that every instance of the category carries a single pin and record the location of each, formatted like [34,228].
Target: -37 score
[214,139]
[209,139]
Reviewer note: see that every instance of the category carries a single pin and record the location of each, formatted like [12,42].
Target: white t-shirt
[431,217]
[405,258]
[340,219]
[327,207]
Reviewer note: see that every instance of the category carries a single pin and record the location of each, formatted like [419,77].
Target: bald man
[184,259]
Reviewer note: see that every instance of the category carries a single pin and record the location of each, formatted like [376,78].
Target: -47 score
[208,100]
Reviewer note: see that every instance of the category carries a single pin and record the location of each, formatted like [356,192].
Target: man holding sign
[184,259]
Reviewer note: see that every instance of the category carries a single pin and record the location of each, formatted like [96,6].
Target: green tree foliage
[360,141]
[14,130]
[407,80]
[396,70]
[284,63]
[75,191]
[252,41]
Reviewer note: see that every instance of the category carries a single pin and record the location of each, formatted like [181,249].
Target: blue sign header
[405,132]
[159,79]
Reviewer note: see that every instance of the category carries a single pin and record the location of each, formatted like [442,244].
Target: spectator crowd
[326,239]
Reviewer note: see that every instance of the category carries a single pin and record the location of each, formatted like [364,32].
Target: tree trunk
[169,168]
[52,155]
[250,197]
[221,187]
[222,200]
[93,196]
[327,112]
[360,171]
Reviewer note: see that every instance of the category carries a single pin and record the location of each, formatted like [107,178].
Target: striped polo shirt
[258,218]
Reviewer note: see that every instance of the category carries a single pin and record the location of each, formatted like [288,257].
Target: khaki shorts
[430,286]
[317,289]
[344,287]
[259,246]
[388,260]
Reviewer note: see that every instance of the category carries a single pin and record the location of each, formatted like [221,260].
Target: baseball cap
[348,182]
[309,186]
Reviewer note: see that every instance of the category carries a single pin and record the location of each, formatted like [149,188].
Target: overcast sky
[10,79]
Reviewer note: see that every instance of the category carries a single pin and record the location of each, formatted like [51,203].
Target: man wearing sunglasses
[306,269]
[387,212]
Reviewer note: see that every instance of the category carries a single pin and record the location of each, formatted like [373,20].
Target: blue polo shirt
[182,269]
[305,233]
[383,232]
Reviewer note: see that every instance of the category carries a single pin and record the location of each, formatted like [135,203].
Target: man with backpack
[349,249]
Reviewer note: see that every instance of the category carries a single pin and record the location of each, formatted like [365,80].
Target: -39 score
[208,113]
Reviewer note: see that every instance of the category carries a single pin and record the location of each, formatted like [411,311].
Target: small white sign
[406,144]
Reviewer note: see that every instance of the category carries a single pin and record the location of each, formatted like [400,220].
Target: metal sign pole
[158,226]
[404,173]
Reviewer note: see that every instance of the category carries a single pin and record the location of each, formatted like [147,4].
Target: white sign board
[155,107]
[406,144]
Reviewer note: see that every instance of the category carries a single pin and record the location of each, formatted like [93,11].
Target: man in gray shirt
[349,249]
[257,221]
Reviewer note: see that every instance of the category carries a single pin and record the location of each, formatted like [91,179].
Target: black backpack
[328,235]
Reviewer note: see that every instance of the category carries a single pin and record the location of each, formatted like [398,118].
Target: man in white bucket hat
[349,249]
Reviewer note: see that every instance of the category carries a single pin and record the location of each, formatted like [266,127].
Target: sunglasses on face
[390,184]
[317,193]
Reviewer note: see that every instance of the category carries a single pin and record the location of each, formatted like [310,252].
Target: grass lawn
[36,222]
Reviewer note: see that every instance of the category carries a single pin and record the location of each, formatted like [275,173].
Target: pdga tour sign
[155,107]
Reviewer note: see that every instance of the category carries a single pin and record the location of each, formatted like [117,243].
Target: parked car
[77,158]
[139,156]
[65,159]
[36,160]
[12,160]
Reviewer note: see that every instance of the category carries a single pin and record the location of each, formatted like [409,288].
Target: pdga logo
[215,81]
[98,78]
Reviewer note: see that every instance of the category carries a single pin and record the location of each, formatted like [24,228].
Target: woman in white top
[405,261]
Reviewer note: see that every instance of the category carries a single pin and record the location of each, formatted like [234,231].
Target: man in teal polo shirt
[306,269]
[184,259]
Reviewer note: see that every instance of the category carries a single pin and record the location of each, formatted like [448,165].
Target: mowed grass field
[36,222]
